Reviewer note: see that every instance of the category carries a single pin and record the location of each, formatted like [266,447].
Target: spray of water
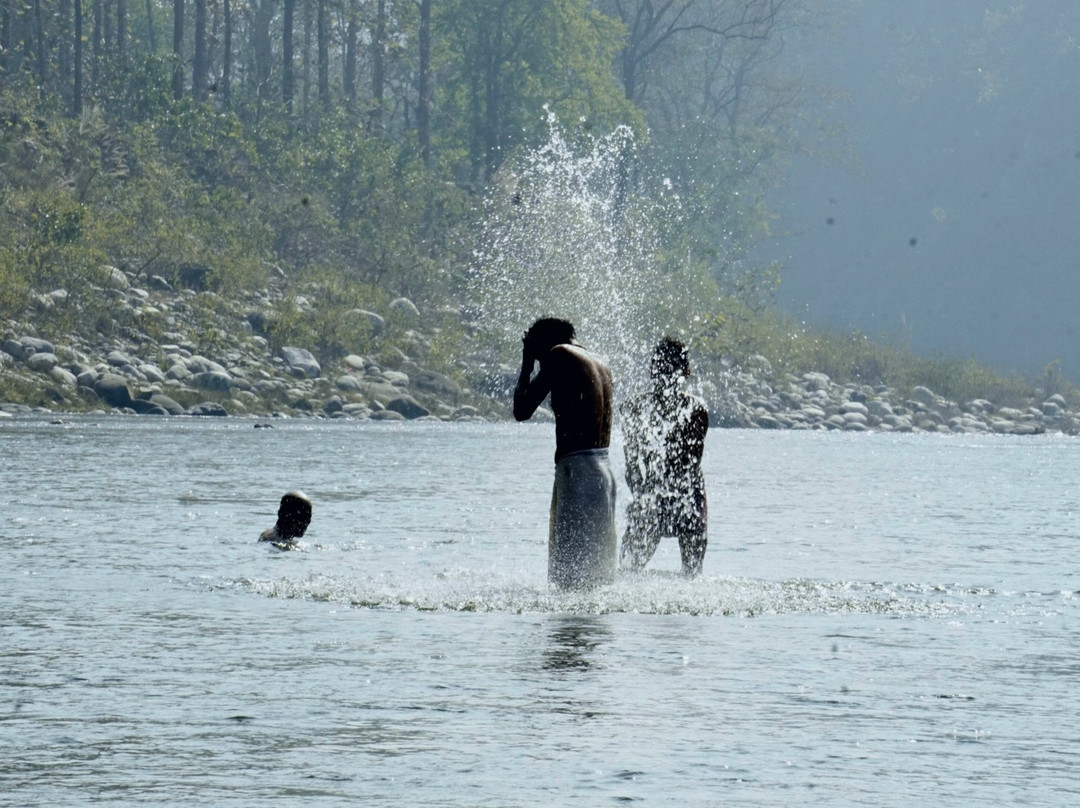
[567,233]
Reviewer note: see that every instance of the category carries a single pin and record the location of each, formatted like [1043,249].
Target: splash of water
[645,593]
[564,234]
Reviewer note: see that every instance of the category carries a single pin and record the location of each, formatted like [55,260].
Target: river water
[884,620]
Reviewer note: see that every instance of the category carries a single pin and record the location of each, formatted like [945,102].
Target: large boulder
[113,390]
[200,364]
[375,321]
[118,359]
[164,402]
[924,395]
[854,408]
[215,381]
[816,381]
[41,362]
[354,362]
[34,345]
[63,377]
[115,279]
[879,408]
[404,306]
[144,407]
[408,406]
[178,372]
[152,373]
[349,383]
[387,415]
[301,362]
[207,408]
[14,349]
[377,389]
[396,378]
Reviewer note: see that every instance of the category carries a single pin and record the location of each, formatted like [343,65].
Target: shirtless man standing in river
[665,439]
[581,535]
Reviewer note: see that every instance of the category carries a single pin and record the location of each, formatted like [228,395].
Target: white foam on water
[660,593]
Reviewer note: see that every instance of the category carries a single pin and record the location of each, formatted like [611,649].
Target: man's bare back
[581,395]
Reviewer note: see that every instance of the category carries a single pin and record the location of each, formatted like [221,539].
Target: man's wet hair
[670,358]
[549,331]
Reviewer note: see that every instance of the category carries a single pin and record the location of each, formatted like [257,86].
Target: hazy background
[953,223]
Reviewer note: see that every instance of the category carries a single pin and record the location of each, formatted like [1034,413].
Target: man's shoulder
[567,350]
[567,354]
[696,405]
[697,402]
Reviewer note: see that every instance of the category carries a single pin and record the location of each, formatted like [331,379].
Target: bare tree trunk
[348,69]
[178,49]
[150,37]
[226,60]
[106,32]
[200,66]
[378,65]
[63,43]
[307,55]
[40,50]
[423,107]
[5,32]
[324,53]
[121,29]
[77,58]
[288,72]
[261,47]
[95,44]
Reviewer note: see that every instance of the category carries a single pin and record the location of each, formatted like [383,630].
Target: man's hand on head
[528,352]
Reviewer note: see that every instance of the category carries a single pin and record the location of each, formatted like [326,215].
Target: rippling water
[884,620]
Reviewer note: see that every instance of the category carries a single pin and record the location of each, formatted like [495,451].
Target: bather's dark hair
[670,358]
[548,332]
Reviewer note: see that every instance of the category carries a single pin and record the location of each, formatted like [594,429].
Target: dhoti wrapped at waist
[582,543]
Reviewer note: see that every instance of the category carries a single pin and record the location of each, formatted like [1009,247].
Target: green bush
[736,332]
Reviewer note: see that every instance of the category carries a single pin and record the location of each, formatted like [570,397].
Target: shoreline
[212,356]
[365,391]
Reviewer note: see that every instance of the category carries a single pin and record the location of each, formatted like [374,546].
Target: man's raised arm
[529,392]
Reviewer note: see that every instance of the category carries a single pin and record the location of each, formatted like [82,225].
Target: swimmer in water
[293,518]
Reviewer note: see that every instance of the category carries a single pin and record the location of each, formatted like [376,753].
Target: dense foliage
[346,144]
[352,140]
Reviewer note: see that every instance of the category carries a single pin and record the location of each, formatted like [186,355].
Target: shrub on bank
[737,333]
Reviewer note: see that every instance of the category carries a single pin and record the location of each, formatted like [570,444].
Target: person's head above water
[293,516]
[546,333]
[670,359]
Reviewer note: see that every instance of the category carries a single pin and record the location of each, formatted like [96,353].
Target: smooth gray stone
[113,390]
[41,362]
[207,408]
[408,407]
[212,380]
[301,361]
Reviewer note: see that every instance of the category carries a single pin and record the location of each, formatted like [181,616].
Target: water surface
[884,620]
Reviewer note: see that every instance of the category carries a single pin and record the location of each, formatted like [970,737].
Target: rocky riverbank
[185,351]
[813,401]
